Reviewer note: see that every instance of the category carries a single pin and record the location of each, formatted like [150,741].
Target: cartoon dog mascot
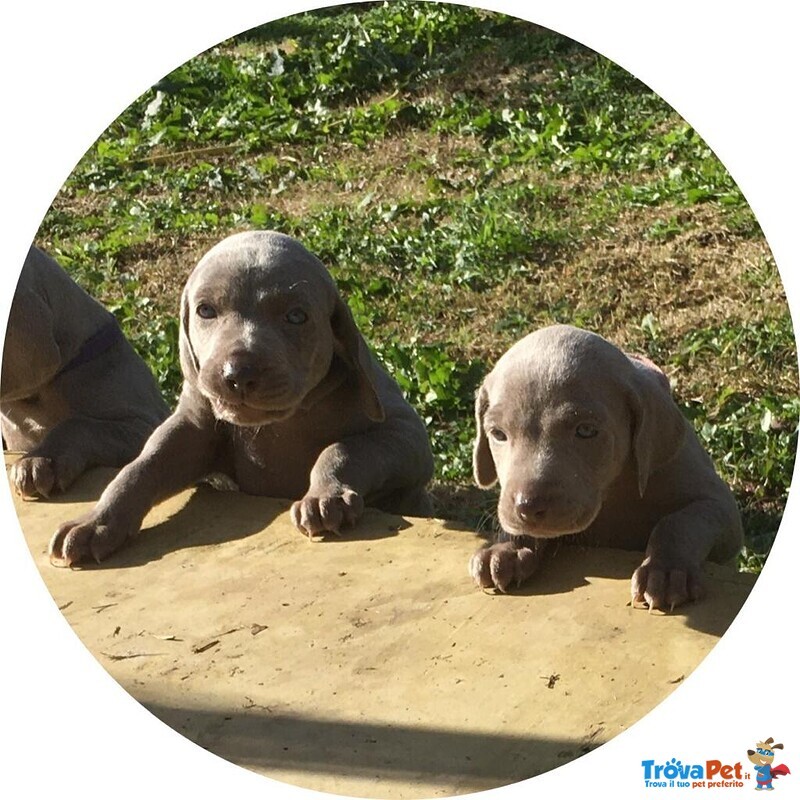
[762,757]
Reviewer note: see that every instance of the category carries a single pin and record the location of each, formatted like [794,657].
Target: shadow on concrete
[207,518]
[570,566]
[267,740]
[211,517]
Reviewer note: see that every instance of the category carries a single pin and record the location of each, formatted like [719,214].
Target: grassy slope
[468,177]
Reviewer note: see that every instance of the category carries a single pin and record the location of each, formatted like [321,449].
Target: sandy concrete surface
[370,665]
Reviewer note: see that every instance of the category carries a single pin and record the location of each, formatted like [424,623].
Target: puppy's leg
[388,459]
[672,572]
[177,454]
[508,563]
[73,446]
[414,501]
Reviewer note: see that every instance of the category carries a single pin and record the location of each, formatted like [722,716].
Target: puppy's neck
[334,378]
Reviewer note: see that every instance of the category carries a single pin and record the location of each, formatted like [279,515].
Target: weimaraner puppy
[74,393]
[585,439]
[280,394]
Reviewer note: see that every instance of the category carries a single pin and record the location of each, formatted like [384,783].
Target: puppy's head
[558,419]
[261,327]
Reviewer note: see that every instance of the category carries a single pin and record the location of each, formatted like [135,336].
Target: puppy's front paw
[658,584]
[34,476]
[85,539]
[327,513]
[502,565]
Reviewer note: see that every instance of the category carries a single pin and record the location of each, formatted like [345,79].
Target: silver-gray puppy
[74,393]
[280,393]
[585,439]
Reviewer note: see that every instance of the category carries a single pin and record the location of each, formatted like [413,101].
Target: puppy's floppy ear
[189,363]
[659,427]
[483,467]
[349,345]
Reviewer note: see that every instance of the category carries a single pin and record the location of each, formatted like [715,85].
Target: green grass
[467,177]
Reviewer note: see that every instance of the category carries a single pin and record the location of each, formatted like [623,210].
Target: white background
[69,68]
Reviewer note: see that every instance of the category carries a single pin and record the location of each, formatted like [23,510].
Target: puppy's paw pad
[665,587]
[480,568]
[315,515]
[502,566]
[84,540]
[34,476]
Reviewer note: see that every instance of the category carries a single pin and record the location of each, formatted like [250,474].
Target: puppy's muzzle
[542,511]
[240,376]
[531,508]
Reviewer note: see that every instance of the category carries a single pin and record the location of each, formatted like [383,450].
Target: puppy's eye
[586,431]
[296,316]
[498,435]
[206,311]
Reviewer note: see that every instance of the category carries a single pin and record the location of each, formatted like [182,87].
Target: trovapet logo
[716,774]
[674,774]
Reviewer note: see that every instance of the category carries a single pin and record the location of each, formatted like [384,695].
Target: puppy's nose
[240,375]
[530,507]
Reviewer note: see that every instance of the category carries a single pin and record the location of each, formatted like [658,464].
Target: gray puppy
[74,393]
[280,394]
[585,439]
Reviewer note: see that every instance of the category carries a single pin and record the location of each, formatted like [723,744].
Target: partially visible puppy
[74,393]
[280,393]
[585,439]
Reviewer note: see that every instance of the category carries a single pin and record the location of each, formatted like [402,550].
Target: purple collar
[95,345]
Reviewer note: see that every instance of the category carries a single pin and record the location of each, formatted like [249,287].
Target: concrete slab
[370,665]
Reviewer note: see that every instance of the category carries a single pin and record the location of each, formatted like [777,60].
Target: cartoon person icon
[762,757]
